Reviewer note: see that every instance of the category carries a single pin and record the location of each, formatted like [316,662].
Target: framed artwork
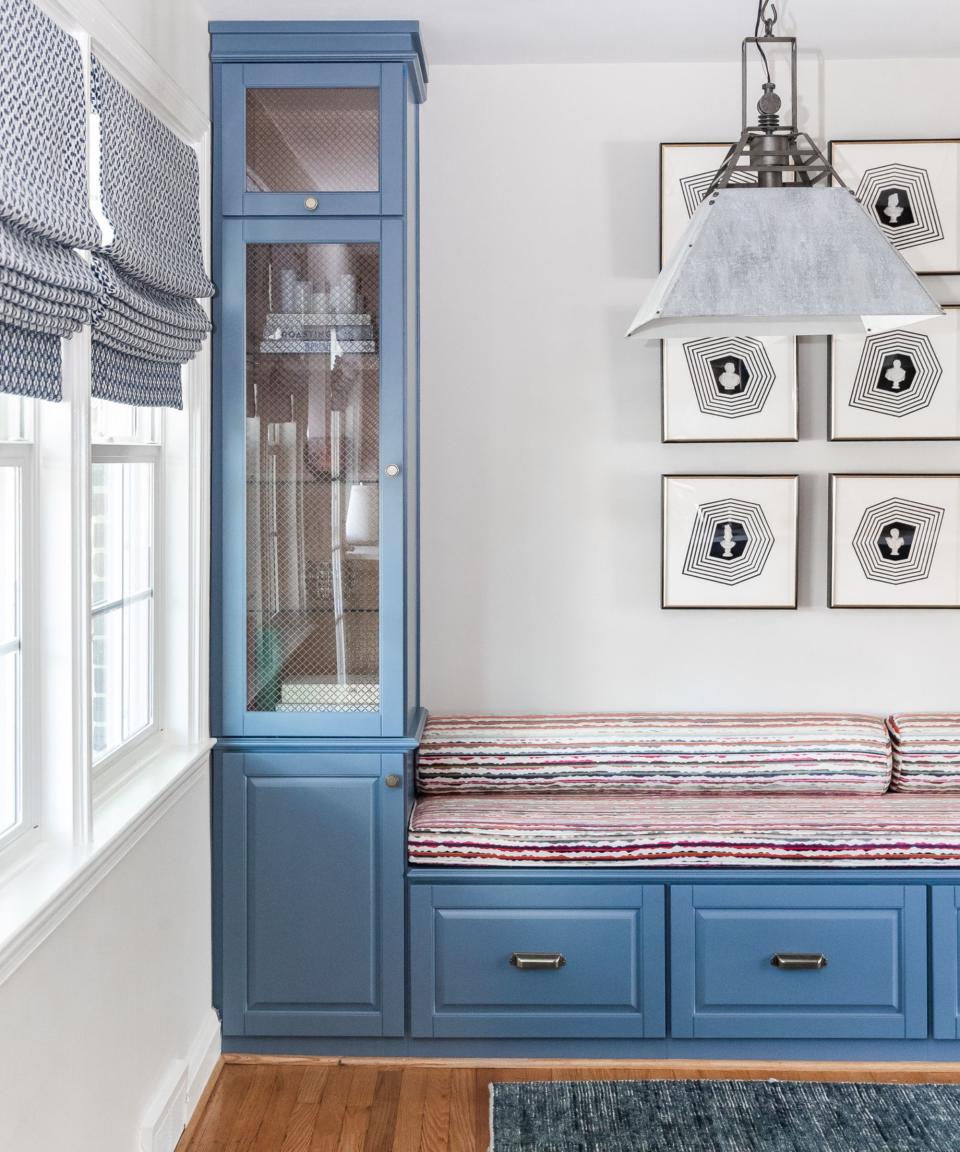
[902,385]
[729,389]
[729,542]
[895,541]
[686,172]
[912,189]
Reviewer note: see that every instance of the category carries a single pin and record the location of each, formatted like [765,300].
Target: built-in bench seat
[736,829]
[682,789]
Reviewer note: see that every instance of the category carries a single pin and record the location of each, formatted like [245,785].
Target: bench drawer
[850,961]
[537,960]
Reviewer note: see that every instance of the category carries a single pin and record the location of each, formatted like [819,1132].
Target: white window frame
[20,454]
[80,825]
[117,766]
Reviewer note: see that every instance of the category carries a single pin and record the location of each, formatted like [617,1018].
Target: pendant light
[788,254]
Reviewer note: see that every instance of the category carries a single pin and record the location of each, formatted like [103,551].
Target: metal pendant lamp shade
[779,262]
[779,251]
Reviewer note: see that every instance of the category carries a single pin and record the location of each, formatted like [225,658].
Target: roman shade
[47,291]
[149,270]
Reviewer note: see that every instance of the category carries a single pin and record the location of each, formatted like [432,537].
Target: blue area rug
[724,1116]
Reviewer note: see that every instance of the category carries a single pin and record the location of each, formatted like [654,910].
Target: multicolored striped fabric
[655,752]
[696,831]
[926,751]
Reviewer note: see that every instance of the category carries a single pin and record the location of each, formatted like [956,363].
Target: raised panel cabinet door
[945,961]
[311,420]
[309,139]
[799,960]
[310,936]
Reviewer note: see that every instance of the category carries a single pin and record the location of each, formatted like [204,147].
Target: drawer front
[478,956]
[945,938]
[843,961]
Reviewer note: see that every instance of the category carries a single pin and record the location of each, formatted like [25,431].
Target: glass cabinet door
[306,141]
[306,564]
[312,469]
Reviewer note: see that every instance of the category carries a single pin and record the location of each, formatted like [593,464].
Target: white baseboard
[179,1093]
[202,1059]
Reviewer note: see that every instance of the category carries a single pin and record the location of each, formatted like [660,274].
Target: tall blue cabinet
[314,680]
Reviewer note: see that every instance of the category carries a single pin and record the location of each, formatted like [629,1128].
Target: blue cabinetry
[945,938]
[844,961]
[312,889]
[532,960]
[314,686]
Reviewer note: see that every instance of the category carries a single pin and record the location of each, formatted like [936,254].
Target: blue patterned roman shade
[150,272]
[47,291]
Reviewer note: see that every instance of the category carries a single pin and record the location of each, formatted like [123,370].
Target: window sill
[46,883]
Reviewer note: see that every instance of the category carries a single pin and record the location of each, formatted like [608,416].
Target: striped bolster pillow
[656,752]
[926,751]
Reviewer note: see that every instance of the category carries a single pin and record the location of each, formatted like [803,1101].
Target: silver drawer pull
[799,961]
[537,961]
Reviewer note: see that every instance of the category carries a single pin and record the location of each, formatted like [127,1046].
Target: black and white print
[693,188]
[729,388]
[894,541]
[911,189]
[729,542]
[686,172]
[898,385]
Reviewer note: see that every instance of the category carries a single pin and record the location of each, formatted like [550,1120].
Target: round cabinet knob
[392,469]
[311,203]
[392,781]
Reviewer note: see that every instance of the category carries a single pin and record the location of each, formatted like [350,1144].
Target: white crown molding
[131,63]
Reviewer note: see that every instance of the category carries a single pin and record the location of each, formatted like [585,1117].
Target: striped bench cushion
[697,831]
[926,752]
[675,752]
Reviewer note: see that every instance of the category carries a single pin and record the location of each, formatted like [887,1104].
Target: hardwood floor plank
[304,1115]
[409,1122]
[333,1106]
[214,1127]
[273,1127]
[481,1107]
[356,1119]
[463,1122]
[383,1116]
[435,1133]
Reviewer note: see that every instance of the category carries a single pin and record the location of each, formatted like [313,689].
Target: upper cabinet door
[312,139]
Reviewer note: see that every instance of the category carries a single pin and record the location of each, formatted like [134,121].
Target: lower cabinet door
[312,895]
[945,940]
[794,961]
[537,960]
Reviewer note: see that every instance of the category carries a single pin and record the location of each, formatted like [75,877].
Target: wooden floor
[328,1105]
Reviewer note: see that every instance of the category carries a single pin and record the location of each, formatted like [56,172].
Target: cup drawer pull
[799,961]
[537,961]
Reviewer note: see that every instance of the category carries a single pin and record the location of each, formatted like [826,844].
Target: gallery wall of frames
[894,538]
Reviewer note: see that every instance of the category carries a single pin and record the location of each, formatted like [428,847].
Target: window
[15,465]
[124,531]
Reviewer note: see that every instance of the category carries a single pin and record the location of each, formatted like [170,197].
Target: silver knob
[392,469]
[311,203]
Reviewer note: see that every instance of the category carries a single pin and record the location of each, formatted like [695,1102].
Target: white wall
[174,32]
[94,1017]
[541,424]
